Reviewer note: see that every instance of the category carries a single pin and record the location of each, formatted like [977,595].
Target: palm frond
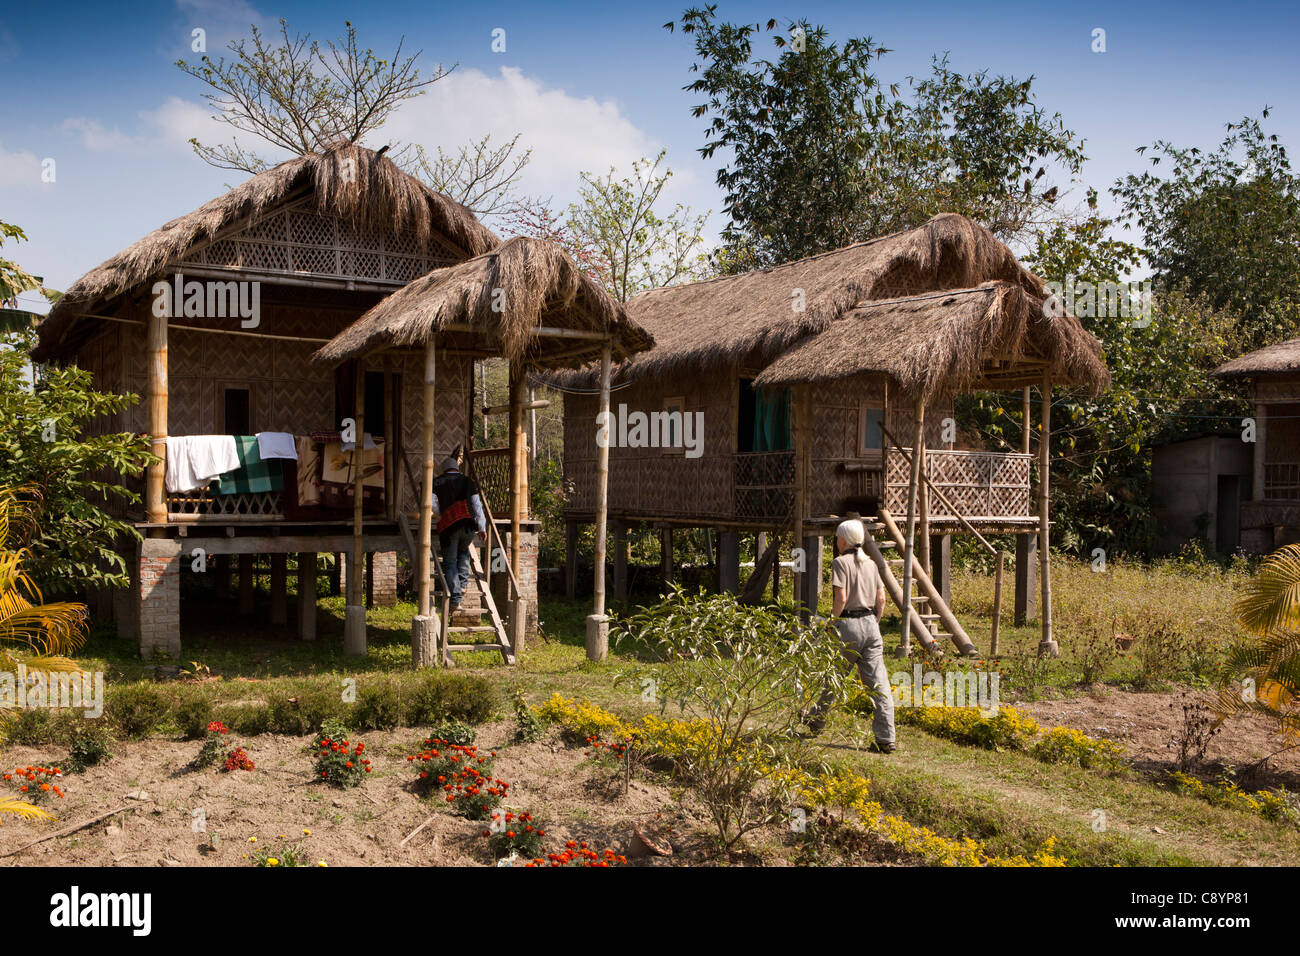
[1272,597]
[22,809]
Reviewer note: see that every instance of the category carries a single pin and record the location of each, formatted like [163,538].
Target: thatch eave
[362,186]
[1280,358]
[501,298]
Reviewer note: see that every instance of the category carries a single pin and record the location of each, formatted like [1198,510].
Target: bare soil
[179,817]
[1147,723]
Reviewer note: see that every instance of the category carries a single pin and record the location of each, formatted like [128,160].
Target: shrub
[528,729]
[439,695]
[36,784]
[338,762]
[249,720]
[90,746]
[237,759]
[514,835]
[579,720]
[379,706]
[454,732]
[747,675]
[1009,729]
[214,746]
[461,775]
[1064,745]
[193,716]
[31,727]
[137,710]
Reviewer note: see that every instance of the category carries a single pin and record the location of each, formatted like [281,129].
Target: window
[763,419]
[238,417]
[870,437]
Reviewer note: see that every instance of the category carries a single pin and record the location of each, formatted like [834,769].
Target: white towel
[212,455]
[276,445]
[179,476]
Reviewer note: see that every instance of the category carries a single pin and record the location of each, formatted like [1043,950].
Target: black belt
[859,612]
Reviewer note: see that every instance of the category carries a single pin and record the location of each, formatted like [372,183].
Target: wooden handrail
[491,523]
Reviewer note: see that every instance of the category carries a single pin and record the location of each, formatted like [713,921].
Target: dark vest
[453,491]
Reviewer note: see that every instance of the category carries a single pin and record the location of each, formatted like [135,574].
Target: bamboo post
[354,614]
[598,623]
[426,627]
[532,423]
[905,645]
[390,452]
[923,506]
[1025,550]
[1047,646]
[518,497]
[997,603]
[155,502]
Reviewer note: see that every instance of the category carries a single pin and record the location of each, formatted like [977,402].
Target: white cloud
[19,169]
[566,133]
[94,135]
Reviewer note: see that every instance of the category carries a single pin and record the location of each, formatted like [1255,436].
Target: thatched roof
[539,286]
[996,335]
[752,316]
[360,185]
[1279,358]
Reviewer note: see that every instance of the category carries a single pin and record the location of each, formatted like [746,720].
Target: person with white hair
[859,600]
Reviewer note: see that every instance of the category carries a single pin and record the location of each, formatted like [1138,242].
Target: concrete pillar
[354,616]
[811,580]
[159,593]
[729,562]
[619,529]
[245,585]
[279,590]
[307,595]
[1026,578]
[383,578]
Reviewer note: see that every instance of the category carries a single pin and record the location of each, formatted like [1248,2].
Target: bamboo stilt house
[778,401]
[213,319]
[1269,516]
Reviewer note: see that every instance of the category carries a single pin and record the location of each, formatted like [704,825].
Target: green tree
[14,281]
[48,443]
[1224,224]
[638,247]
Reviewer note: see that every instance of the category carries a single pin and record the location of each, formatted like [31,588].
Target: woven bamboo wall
[648,481]
[286,391]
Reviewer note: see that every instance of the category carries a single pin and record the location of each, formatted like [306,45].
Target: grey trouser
[863,646]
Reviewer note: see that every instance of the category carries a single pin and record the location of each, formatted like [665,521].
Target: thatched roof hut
[1281,358]
[360,186]
[944,342]
[757,315]
[507,295]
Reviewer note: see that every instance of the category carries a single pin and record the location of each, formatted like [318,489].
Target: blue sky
[590,85]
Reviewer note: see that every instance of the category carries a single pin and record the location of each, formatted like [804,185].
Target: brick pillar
[528,555]
[1026,606]
[383,577]
[729,562]
[160,596]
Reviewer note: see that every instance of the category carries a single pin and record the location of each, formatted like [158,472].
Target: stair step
[470,629]
[477,647]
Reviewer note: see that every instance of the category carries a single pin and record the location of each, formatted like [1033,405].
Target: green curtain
[772,419]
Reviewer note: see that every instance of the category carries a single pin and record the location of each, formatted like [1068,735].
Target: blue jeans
[455,561]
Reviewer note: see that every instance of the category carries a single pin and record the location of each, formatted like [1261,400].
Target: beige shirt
[861,582]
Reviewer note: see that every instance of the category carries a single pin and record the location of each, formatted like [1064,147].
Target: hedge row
[293,707]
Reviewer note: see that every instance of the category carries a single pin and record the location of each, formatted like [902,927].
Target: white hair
[852,532]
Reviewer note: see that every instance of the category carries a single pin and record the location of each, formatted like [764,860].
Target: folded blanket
[254,475]
[276,445]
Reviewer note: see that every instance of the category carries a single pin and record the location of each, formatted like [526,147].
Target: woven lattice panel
[764,484]
[453,379]
[296,239]
[491,468]
[978,484]
[205,503]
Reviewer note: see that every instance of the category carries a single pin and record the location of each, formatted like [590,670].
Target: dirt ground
[1145,723]
[207,817]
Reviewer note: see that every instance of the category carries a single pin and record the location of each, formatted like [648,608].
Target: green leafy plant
[91,745]
[528,729]
[214,746]
[338,761]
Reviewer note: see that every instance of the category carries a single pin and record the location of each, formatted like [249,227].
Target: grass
[1009,801]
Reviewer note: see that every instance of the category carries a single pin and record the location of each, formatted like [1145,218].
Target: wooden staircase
[932,620]
[476,602]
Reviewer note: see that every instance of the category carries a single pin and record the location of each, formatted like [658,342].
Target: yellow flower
[322,863]
[306,833]
[272,861]
[252,839]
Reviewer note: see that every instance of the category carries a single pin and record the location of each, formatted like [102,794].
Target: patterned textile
[253,476]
